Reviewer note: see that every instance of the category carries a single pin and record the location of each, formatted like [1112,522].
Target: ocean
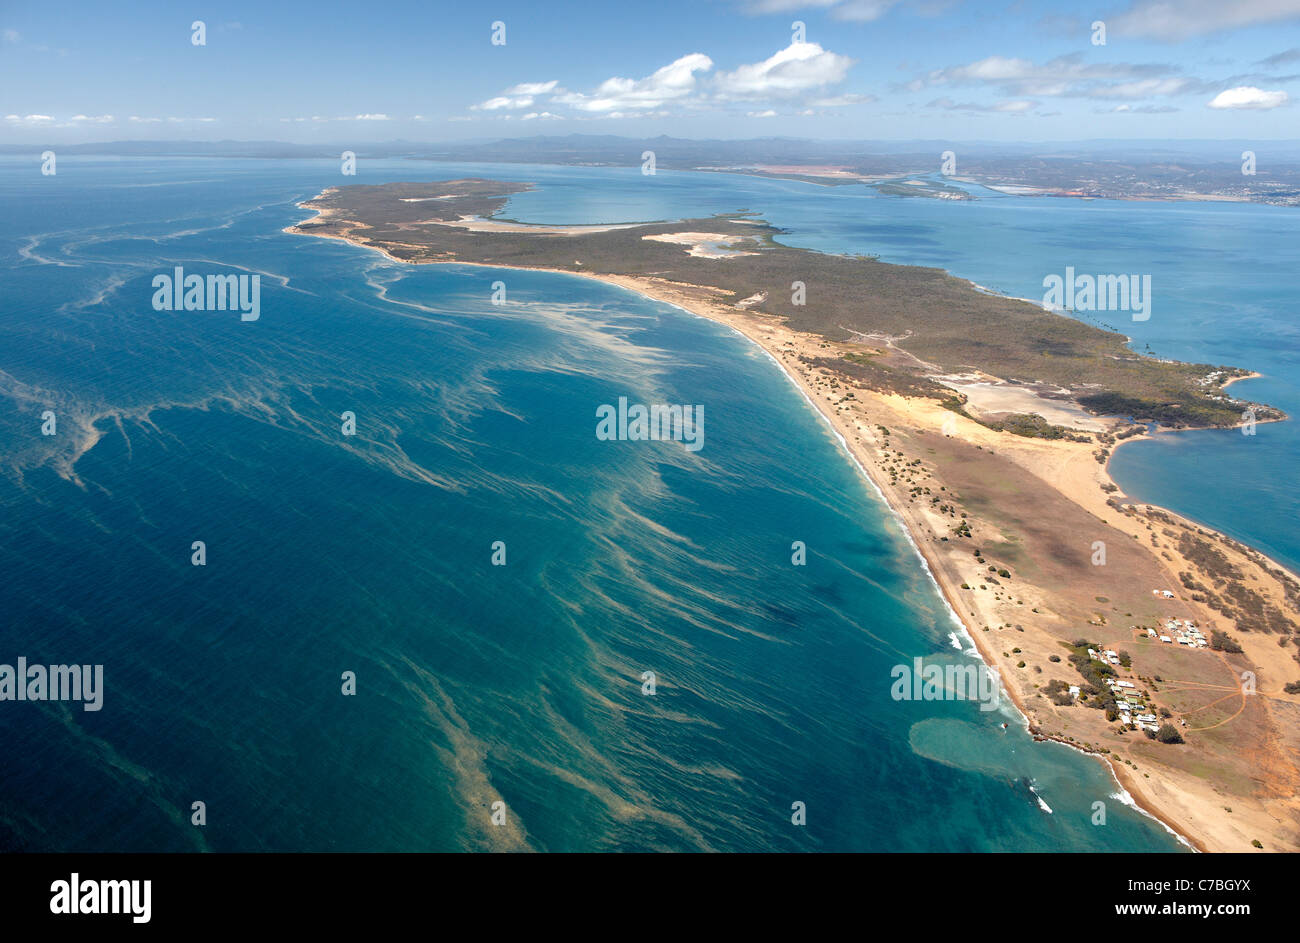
[517,691]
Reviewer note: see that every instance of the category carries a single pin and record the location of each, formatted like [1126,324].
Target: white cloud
[1247,96]
[1141,110]
[1065,76]
[769,113]
[504,101]
[533,88]
[96,119]
[1144,88]
[1016,107]
[673,82]
[539,114]
[794,69]
[519,97]
[29,119]
[136,119]
[789,73]
[369,117]
[1174,20]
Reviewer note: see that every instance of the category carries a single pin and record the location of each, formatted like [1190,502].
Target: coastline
[780,344]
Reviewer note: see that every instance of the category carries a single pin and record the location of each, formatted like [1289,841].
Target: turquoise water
[325,554]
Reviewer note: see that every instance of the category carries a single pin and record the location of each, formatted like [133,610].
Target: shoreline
[766,337]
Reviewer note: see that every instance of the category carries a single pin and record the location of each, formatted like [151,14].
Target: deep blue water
[371,553]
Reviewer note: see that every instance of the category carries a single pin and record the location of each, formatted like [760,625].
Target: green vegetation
[1223,642]
[1230,594]
[1094,674]
[1180,409]
[1167,733]
[1034,426]
[1058,692]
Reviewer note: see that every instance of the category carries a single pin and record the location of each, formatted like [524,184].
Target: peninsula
[1170,651]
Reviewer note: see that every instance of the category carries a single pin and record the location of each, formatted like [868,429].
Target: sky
[332,72]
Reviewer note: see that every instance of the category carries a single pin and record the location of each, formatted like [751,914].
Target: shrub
[1168,733]
[1223,642]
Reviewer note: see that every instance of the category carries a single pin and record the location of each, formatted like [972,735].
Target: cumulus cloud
[1175,20]
[797,68]
[518,97]
[790,73]
[673,82]
[1248,97]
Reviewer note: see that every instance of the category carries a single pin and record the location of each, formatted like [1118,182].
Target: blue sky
[888,69]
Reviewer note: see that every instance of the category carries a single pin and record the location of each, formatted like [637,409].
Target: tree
[1168,733]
